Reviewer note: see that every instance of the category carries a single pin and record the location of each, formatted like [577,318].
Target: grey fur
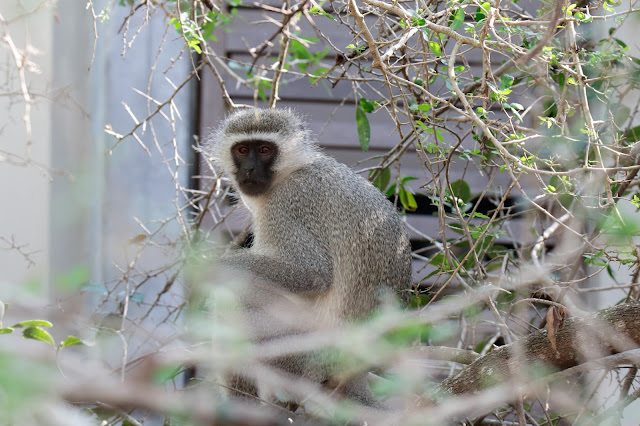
[322,235]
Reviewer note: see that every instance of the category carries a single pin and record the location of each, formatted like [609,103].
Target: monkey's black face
[254,162]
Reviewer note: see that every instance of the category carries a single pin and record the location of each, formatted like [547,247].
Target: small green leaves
[559,184]
[405,195]
[633,135]
[316,10]
[506,81]
[33,323]
[304,59]
[421,107]
[71,341]
[435,48]
[481,12]
[367,105]
[594,259]
[458,19]
[498,94]
[35,331]
[515,109]
[408,200]
[364,129]
[356,48]
[38,333]
[197,32]
[437,131]
[480,215]
[382,181]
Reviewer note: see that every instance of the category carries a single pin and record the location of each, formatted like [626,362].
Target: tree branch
[581,340]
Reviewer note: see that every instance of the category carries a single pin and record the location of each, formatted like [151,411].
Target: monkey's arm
[312,276]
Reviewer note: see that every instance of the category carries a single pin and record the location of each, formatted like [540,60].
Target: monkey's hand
[312,277]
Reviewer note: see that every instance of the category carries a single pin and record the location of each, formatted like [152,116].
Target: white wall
[24,190]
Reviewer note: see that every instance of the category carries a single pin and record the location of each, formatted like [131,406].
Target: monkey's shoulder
[325,178]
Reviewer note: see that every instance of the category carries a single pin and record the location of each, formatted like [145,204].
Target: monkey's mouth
[253,186]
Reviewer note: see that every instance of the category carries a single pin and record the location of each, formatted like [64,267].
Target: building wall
[24,189]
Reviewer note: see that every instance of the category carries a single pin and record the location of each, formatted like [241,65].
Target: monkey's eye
[264,150]
[242,149]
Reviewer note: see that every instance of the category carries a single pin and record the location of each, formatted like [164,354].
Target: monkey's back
[327,201]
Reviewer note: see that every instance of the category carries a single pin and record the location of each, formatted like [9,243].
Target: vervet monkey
[326,241]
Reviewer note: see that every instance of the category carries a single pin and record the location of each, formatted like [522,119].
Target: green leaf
[407,200]
[483,216]
[195,45]
[411,202]
[6,330]
[71,341]
[38,333]
[421,107]
[458,19]
[435,48]
[461,190]
[176,23]
[622,44]
[440,261]
[315,10]
[367,105]
[33,323]
[610,272]
[506,81]
[391,191]
[364,129]
[408,179]
[383,179]
[481,12]
[633,135]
